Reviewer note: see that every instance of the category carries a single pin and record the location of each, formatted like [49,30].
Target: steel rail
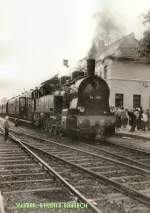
[128,147]
[56,174]
[89,153]
[105,140]
[121,188]
[118,156]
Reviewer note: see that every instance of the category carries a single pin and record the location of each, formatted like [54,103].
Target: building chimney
[90,67]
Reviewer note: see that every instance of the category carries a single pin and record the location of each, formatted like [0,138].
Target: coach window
[119,100]
[105,71]
[136,101]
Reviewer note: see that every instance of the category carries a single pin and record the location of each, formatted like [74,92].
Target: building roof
[121,58]
[125,47]
[51,80]
[122,49]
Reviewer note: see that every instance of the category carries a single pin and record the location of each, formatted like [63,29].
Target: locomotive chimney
[90,67]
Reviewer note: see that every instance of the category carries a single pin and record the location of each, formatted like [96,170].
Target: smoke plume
[108,29]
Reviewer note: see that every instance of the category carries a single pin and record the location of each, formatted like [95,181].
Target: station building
[127,75]
[129,81]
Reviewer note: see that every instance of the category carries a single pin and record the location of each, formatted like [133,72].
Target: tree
[144,43]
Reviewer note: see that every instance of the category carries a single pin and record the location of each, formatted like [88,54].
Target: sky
[36,35]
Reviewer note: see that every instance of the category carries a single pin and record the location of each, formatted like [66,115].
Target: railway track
[29,184]
[123,152]
[129,180]
[119,151]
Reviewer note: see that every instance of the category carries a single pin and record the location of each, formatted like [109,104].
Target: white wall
[130,88]
[130,70]
[128,78]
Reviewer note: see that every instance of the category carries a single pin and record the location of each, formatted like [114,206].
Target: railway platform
[137,139]
[139,134]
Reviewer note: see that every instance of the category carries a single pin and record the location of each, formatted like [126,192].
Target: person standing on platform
[132,120]
[144,120]
[6,128]
[118,118]
[140,118]
[148,122]
[124,118]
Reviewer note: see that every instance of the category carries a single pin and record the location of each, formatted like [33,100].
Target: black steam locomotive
[77,105]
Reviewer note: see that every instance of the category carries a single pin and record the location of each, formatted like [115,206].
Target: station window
[105,71]
[119,100]
[136,101]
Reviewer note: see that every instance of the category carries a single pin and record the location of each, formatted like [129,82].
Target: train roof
[51,80]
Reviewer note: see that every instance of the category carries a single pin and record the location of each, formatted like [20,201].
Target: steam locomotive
[77,105]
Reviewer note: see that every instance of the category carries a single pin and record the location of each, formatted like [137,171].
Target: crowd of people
[136,118]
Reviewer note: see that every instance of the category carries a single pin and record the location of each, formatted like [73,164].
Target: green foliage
[144,43]
[146,17]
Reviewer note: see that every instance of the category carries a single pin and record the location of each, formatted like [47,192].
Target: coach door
[29,108]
